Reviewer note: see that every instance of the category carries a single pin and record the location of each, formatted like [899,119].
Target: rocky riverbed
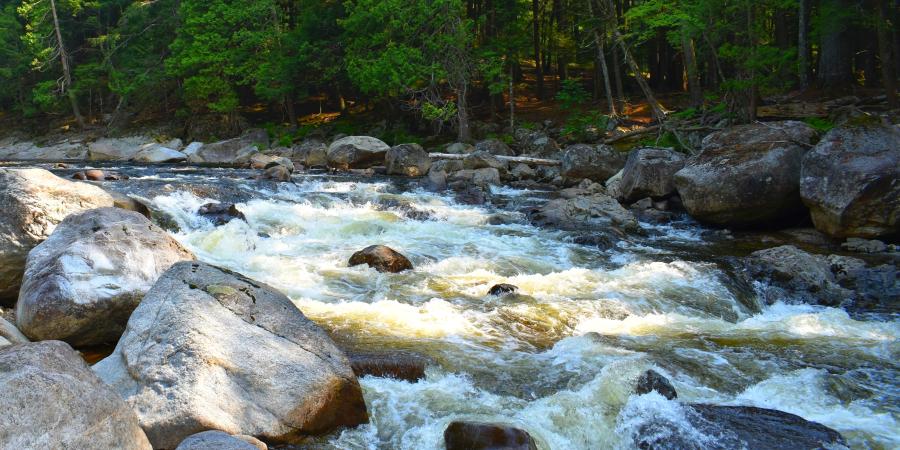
[524,305]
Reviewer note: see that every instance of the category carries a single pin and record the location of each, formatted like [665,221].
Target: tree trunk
[601,59]
[617,77]
[690,68]
[803,44]
[512,100]
[835,56]
[64,59]
[465,133]
[655,107]
[886,53]
[538,62]
[751,38]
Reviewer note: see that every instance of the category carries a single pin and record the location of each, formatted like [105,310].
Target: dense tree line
[102,61]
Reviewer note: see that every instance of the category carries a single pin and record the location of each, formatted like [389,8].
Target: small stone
[503,289]
[220,213]
[651,380]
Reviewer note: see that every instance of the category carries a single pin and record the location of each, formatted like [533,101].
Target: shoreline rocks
[409,160]
[356,152]
[597,163]
[849,181]
[649,172]
[82,283]
[277,375]
[747,176]
[33,202]
[52,399]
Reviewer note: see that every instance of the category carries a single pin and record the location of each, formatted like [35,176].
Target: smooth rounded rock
[381,258]
[356,152]
[409,160]
[83,282]
[486,436]
[219,440]
[210,349]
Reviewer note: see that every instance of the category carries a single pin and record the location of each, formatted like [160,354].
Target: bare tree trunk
[512,100]
[617,77]
[601,59]
[754,89]
[655,107]
[538,62]
[64,59]
[886,54]
[803,43]
[690,68]
[464,132]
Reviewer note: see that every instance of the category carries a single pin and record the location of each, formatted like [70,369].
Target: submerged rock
[219,440]
[747,176]
[33,202]
[586,212]
[409,160]
[651,380]
[381,258]
[52,400]
[850,181]
[356,152]
[486,436]
[400,365]
[221,213]
[595,162]
[503,289]
[751,427]
[83,282]
[277,375]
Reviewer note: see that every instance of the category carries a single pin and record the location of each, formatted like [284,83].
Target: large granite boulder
[311,153]
[537,144]
[409,160]
[116,149]
[356,152]
[593,162]
[747,176]
[83,282]
[235,151]
[211,349]
[33,202]
[156,153]
[649,172]
[851,181]
[52,400]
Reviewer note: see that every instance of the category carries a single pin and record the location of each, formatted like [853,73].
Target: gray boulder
[235,151]
[537,144]
[409,160]
[649,172]
[585,212]
[747,176]
[33,202]
[791,275]
[155,153]
[51,399]
[219,440]
[483,178]
[849,181]
[459,148]
[494,147]
[311,153]
[356,152]
[594,162]
[483,160]
[229,353]
[116,149]
[264,161]
[83,282]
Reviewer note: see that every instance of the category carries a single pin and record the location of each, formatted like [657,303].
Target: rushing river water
[560,359]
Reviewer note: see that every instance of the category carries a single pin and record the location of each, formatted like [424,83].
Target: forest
[433,66]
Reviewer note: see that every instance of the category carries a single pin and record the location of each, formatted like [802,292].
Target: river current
[558,360]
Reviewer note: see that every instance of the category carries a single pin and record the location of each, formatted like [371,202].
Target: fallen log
[513,159]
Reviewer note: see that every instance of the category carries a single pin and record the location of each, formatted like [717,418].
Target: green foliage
[667,139]
[822,125]
[572,94]
[581,126]
[441,113]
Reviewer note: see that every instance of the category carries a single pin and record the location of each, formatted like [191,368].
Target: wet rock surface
[381,258]
[220,213]
[400,365]
[486,436]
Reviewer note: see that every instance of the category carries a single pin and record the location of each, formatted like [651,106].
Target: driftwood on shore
[512,159]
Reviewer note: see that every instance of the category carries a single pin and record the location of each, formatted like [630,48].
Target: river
[559,359]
